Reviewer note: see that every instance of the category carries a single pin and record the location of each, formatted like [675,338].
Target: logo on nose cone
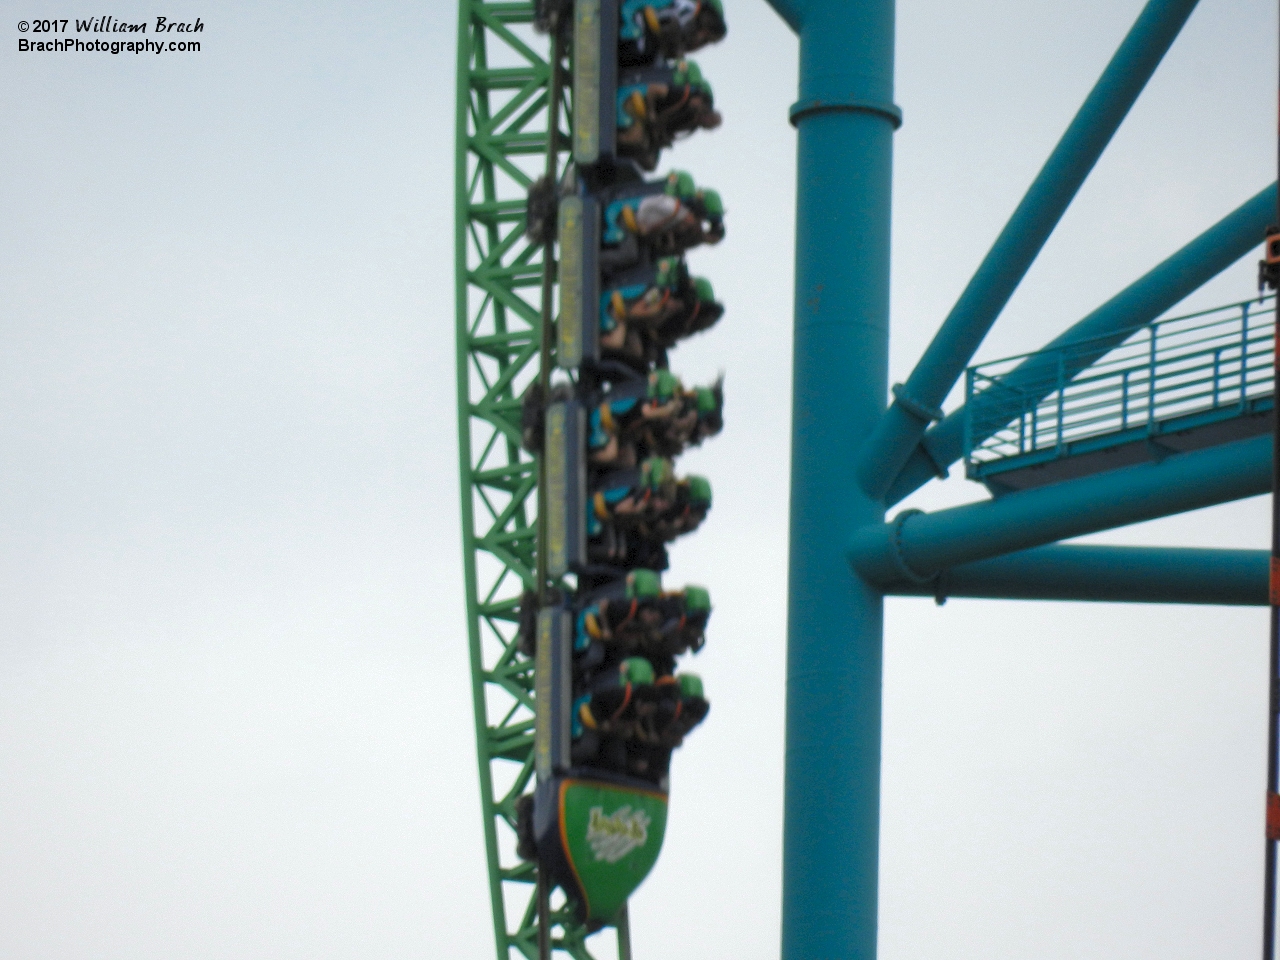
[613,837]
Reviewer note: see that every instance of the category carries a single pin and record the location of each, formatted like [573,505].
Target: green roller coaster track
[504,75]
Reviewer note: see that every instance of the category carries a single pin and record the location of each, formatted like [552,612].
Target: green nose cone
[612,839]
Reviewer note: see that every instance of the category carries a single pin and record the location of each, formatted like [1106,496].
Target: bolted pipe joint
[846,61]
[877,553]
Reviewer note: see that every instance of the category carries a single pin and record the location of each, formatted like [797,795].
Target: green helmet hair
[690,73]
[638,670]
[717,6]
[697,600]
[690,684]
[667,273]
[655,471]
[712,203]
[706,400]
[703,287]
[642,584]
[663,385]
[680,184]
[699,490]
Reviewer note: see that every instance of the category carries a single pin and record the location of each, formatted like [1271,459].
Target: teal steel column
[845,117]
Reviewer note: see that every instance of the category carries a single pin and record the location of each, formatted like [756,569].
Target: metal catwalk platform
[1178,385]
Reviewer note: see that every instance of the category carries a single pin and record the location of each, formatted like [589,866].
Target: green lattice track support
[501,148]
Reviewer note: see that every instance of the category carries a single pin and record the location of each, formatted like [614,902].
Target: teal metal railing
[1174,374]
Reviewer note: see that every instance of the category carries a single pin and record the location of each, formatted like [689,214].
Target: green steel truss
[501,148]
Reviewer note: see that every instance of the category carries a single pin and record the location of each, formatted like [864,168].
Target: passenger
[660,105]
[700,414]
[693,308]
[629,517]
[707,206]
[668,217]
[684,512]
[603,717]
[533,418]
[684,622]
[527,623]
[710,405]
[540,211]
[664,713]
[658,626]
[631,726]
[612,536]
[629,497]
[679,707]
[609,707]
[621,613]
[688,105]
[619,420]
[637,300]
[648,29]
[526,842]
[647,310]
[620,754]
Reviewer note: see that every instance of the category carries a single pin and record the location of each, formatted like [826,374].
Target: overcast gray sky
[234,708]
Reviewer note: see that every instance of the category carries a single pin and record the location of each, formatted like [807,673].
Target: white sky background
[234,708]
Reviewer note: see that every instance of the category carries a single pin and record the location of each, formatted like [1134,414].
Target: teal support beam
[1105,574]
[845,118]
[1140,303]
[791,11]
[917,546]
[917,403]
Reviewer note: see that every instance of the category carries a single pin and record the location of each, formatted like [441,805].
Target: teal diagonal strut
[1141,302]
[791,11]
[917,403]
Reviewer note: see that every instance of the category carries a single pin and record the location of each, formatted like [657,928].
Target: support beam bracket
[1104,574]
[923,544]
[923,412]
